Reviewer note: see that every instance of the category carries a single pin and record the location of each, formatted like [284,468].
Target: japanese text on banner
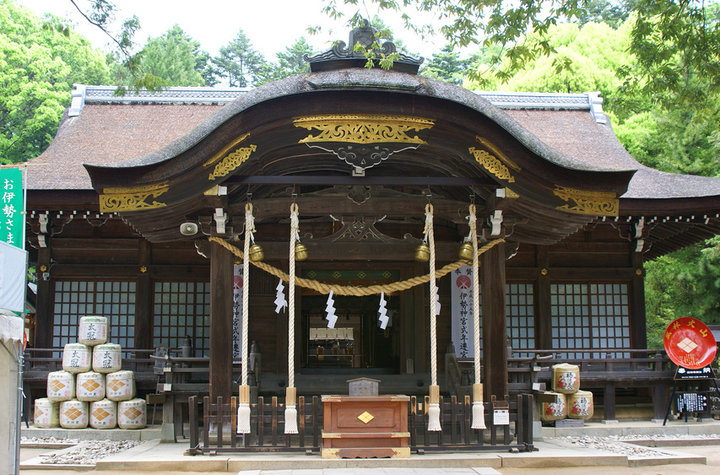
[11,207]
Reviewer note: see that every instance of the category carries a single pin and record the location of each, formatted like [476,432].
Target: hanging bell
[256,253]
[422,253]
[466,252]
[300,252]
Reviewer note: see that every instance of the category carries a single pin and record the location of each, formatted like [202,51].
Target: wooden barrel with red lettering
[580,405]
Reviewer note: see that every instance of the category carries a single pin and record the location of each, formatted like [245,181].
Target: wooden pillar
[421,326]
[412,326]
[543,319]
[609,402]
[638,321]
[44,302]
[221,308]
[143,298]
[492,280]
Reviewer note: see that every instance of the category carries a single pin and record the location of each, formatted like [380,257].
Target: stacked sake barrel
[569,401]
[91,389]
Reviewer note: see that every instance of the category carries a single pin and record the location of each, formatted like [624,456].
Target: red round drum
[690,343]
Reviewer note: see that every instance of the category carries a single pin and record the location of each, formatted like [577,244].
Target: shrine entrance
[355,344]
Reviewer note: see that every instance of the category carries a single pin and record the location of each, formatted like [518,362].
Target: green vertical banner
[11,207]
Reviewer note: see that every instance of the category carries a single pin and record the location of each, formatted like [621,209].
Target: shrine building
[137,211]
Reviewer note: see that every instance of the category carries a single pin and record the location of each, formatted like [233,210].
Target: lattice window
[182,309]
[589,316]
[570,317]
[112,299]
[520,315]
[610,316]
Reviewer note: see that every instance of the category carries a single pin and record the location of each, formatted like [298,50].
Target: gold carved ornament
[132,198]
[492,164]
[497,152]
[602,203]
[225,161]
[363,128]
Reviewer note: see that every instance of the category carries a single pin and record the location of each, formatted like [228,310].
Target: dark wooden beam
[339,205]
[492,275]
[44,302]
[362,250]
[143,298]
[543,308]
[221,335]
[638,321]
[355,180]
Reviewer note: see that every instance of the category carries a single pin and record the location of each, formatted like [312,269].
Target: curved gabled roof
[555,151]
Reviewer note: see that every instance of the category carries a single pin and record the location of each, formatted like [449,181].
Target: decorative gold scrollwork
[232,161]
[497,152]
[363,128]
[492,164]
[132,198]
[602,203]
[226,162]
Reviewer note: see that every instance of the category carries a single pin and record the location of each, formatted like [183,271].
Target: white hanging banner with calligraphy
[237,310]
[12,277]
[462,312]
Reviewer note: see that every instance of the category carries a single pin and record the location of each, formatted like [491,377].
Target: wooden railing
[215,431]
[602,371]
[41,361]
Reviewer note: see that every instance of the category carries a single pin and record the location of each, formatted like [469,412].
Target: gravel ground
[88,452]
[84,453]
[623,444]
[46,441]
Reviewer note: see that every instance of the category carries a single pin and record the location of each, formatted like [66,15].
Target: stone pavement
[557,451]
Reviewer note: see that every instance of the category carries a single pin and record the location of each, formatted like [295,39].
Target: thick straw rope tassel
[243,416]
[434,406]
[478,408]
[290,392]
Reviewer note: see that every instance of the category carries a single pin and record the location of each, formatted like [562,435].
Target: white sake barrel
[90,386]
[132,414]
[93,330]
[47,413]
[76,358]
[106,358]
[103,414]
[73,414]
[60,386]
[120,386]
[566,378]
[580,405]
[554,410]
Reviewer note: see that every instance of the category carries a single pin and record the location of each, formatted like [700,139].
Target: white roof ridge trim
[87,94]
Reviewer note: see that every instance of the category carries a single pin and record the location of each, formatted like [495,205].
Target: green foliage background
[39,62]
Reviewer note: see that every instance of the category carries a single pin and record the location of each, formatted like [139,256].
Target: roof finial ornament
[343,56]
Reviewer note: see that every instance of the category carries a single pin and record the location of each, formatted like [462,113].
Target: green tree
[605,11]
[685,283]
[447,66]
[669,37]
[239,63]
[585,58]
[173,59]
[292,61]
[39,62]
